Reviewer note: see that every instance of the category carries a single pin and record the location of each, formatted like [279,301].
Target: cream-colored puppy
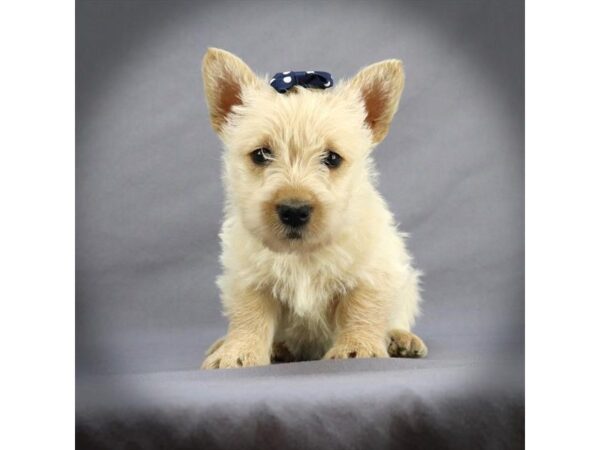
[313,265]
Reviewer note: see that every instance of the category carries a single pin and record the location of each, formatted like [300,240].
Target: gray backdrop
[149,202]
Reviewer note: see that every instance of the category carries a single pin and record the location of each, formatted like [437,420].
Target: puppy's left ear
[225,78]
[380,86]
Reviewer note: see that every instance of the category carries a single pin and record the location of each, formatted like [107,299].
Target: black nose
[294,215]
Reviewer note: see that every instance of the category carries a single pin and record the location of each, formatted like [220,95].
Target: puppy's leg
[215,346]
[406,344]
[279,352]
[401,342]
[252,319]
[361,321]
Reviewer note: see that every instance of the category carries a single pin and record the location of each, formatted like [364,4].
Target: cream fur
[347,288]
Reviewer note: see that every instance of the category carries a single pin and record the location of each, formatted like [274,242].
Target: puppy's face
[295,163]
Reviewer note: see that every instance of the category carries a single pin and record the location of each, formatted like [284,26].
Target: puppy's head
[296,164]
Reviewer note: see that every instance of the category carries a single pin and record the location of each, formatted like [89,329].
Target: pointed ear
[225,77]
[380,86]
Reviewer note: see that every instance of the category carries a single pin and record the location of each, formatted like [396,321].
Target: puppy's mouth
[289,239]
[294,235]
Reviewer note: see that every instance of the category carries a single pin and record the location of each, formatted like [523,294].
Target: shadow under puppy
[313,265]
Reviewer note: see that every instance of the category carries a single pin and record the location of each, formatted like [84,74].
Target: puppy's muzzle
[294,214]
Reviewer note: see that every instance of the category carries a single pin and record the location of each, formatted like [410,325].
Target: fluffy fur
[346,288]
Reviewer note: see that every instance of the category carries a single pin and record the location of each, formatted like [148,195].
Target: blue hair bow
[284,81]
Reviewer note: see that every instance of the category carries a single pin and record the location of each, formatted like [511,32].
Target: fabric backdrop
[150,200]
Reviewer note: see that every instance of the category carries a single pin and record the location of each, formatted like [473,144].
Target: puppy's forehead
[305,120]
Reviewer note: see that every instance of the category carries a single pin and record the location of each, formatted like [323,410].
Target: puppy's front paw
[404,344]
[351,348]
[232,354]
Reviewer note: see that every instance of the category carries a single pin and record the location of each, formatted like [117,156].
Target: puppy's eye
[261,156]
[332,159]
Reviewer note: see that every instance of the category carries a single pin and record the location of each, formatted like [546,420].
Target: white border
[37,227]
[37,224]
[562,224]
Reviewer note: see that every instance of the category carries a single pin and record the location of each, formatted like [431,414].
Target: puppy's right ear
[380,85]
[225,77]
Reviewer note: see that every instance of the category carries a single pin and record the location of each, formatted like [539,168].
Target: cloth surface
[149,203]
[465,395]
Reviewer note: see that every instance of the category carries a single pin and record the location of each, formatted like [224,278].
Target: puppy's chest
[307,287]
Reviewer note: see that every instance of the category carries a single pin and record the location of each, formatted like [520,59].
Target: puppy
[313,265]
